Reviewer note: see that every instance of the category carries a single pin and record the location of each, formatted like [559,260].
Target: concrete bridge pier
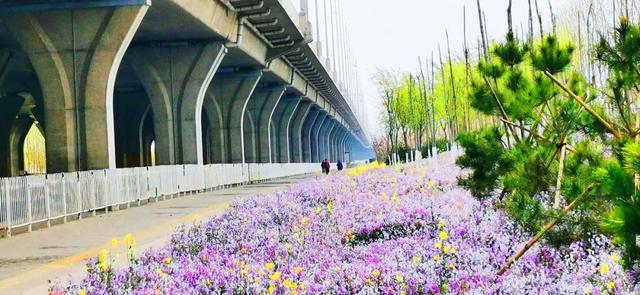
[231,92]
[340,144]
[76,54]
[323,138]
[11,105]
[315,136]
[176,77]
[332,142]
[282,121]
[296,133]
[261,107]
[337,144]
[307,128]
[133,127]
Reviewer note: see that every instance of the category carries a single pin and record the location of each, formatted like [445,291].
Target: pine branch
[581,101]
[544,231]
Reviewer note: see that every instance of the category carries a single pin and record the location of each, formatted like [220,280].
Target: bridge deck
[29,260]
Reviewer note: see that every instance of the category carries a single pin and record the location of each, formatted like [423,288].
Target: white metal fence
[27,200]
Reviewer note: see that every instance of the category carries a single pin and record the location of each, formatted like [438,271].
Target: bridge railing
[29,200]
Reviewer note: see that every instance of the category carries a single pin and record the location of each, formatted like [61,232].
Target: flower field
[380,230]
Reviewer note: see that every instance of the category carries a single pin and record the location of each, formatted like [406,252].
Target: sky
[391,34]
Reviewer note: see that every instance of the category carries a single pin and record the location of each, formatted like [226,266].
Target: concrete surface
[29,261]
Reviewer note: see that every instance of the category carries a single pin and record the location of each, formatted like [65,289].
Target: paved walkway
[28,261]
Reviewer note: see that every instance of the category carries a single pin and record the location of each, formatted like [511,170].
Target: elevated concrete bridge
[200,81]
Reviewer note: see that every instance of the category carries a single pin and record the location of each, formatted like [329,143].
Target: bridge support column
[332,141]
[315,135]
[282,122]
[231,92]
[307,131]
[261,107]
[295,136]
[336,136]
[323,138]
[176,78]
[11,105]
[132,113]
[341,144]
[76,55]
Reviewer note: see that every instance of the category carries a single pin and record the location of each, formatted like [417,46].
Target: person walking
[340,165]
[326,166]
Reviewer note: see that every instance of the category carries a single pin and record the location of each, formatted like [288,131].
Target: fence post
[79,195]
[64,198]
[8,202]
[29,218]
[47,199]
[95,193]
[108,197]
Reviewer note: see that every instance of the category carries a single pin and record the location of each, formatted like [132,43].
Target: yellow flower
[337,267]
[269,266]
[82,292]
[611,285]
[103,262]
[104,254]
[375,273]
[399,278]
[297,269]
[615,258]
[167,261]
[129,240]
[394,197]
[287,283]
[453,251]
[243,250]
[114,243]
[304,221]
[446,249]
[275,276]
[443,235]
[416,259]
[368,281]
[271,289]
[604,269]
[437,245]
[432,183]
[451,266]
[244,271]
[436,258]
[442,223]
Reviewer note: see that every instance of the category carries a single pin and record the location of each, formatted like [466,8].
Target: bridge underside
[177,82]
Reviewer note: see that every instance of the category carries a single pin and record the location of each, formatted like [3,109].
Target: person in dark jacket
[326,166]
[340,165]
